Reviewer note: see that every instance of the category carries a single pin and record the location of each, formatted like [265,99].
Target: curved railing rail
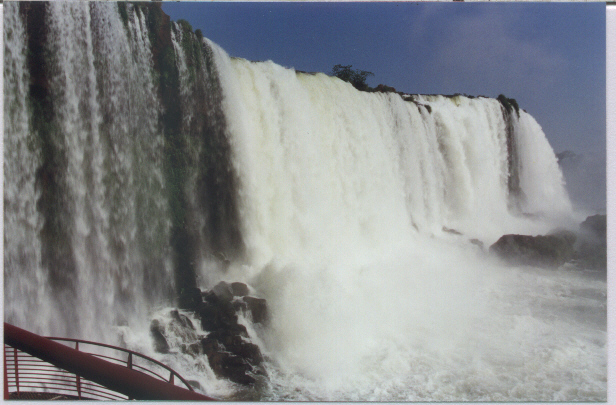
[34,364]
[131,361]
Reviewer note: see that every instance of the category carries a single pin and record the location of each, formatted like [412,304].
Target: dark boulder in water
[229,352]
[595,225]
[591,249]
[452,231]
[223,291]
[476,242]
[239,289]
[216,313]
[541,250]
[226,364]
[257,308]
[160,342]
[181,319]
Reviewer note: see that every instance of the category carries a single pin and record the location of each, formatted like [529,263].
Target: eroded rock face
[227,345]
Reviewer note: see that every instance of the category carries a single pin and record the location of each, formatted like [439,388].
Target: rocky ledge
[230,352]
[587,247]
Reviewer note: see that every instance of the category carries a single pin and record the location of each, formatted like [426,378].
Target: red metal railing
[33,363]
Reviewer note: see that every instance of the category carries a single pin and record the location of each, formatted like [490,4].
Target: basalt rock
[182,319]
[227,346]
[229,352]
[476,242]
[239,289]
[226,364]
[160,342]
[586,248]
[542,250]
[257,307]
[591,249]
[596,226]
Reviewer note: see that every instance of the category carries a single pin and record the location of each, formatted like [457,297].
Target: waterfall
[315,170]
[141,161]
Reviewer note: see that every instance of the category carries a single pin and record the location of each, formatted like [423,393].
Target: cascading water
[141,161]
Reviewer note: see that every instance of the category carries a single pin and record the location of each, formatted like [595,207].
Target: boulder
[452,231]
[229,352]
[595,225]
[239,289]
[215,313]
[194,349]
[542,250]
[257,308]
[476,242]
[226,363]
[230,355]
[160,342]
[182,320]
[591,249]
[223,291]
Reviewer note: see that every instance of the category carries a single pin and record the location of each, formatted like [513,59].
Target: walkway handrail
[130,359]
[118,378]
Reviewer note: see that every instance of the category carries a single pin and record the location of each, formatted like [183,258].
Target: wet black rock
[542,250]
[476,242]
[587,248]
[239,289]
[596,226]
[230,353]
[452,231]
[193,349]
[216,313]
[257,307]
[223,291]
[157,334]
[182,319]
[591,249]
[228,365]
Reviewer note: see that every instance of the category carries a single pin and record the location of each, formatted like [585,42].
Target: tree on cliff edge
[356,77]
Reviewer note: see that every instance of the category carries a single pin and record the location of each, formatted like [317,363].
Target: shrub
[356,77]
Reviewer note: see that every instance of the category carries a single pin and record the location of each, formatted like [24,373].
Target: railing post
[78,381]
[16,370]
[171,378]
[6,379]
[129,361]
[129,364]
[77,376]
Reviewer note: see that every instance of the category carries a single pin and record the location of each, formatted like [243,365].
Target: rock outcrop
[587,248]
[230,352]
[591,249]
[541,250]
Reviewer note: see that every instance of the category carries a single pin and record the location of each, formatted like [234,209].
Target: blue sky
[550,57]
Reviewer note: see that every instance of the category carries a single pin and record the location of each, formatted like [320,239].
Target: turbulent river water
[140,159]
